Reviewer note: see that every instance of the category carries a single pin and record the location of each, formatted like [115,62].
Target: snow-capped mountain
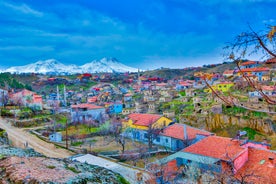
[109,65]
[53,66]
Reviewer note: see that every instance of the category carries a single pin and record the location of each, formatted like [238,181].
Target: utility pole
[2,105]
[58,94]
[66,133]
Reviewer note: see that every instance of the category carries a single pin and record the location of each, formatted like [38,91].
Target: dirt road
[19,138]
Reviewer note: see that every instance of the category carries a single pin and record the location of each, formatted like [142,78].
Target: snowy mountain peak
[52,66]
[109,65]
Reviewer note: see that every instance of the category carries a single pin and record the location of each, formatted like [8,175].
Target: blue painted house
[178,136]
[115,108]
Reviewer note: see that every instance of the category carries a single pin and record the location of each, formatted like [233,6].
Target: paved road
[19,137]
[127,172]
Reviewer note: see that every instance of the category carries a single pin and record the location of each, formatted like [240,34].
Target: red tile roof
[228,72]
[259,168]
[185,83]
[92,99]
[86,106]
[254,69]
[217,147]
[161,84]
[271,60]
[268,88]
[177,131]
[144,119]
[248,63]
[128,95]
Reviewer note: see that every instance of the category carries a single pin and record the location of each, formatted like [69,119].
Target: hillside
[188,72]
[8,80]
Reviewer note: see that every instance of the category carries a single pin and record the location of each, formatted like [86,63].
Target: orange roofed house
[87,112]
[254,72]
[137,126]
[27,98]
[178,136]
[230,158]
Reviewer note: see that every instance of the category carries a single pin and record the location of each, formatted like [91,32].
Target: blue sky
[145,34]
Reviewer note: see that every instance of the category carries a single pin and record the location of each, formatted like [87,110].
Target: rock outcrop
[27,166]
[48,170]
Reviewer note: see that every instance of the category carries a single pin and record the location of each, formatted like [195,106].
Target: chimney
[185,132]
[271,160]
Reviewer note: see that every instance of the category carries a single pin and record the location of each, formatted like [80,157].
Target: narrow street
[127,172]
[19,138]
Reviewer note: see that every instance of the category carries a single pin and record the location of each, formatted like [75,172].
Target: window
[158,139]
[146,135]
[166,140]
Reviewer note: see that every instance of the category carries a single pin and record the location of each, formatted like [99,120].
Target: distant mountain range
[52,66]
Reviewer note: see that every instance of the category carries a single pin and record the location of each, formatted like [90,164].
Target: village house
[27,98]
[127,97]
[161,86]
[220,86]
[228,73]
[86,112]
[169,114]
[183,85]
[3,97]
[55,137]
[250,64]
[178,136]
[152,107]
[259,168]
[114,108]
[137,126]
[140,107]
[258,72]
[267,90]
[221,155]
[127,111]
[92,99]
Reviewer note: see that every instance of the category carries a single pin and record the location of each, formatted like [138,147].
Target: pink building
[27,98]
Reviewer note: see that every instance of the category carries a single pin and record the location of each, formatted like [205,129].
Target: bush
[6,112]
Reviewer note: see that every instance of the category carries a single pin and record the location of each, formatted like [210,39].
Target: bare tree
[246,44]
[152,134]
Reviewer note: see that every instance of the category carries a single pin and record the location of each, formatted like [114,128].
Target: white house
[85,112]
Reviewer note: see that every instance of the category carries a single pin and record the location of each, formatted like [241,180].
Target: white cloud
[22,8]
[269,21]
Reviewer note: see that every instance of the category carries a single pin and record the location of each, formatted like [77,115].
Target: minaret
[139,81]
[64,95]
[57,94]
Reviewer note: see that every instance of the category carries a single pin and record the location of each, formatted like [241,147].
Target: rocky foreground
[27,166]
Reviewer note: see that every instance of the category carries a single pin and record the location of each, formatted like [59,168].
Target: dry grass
[108,143]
